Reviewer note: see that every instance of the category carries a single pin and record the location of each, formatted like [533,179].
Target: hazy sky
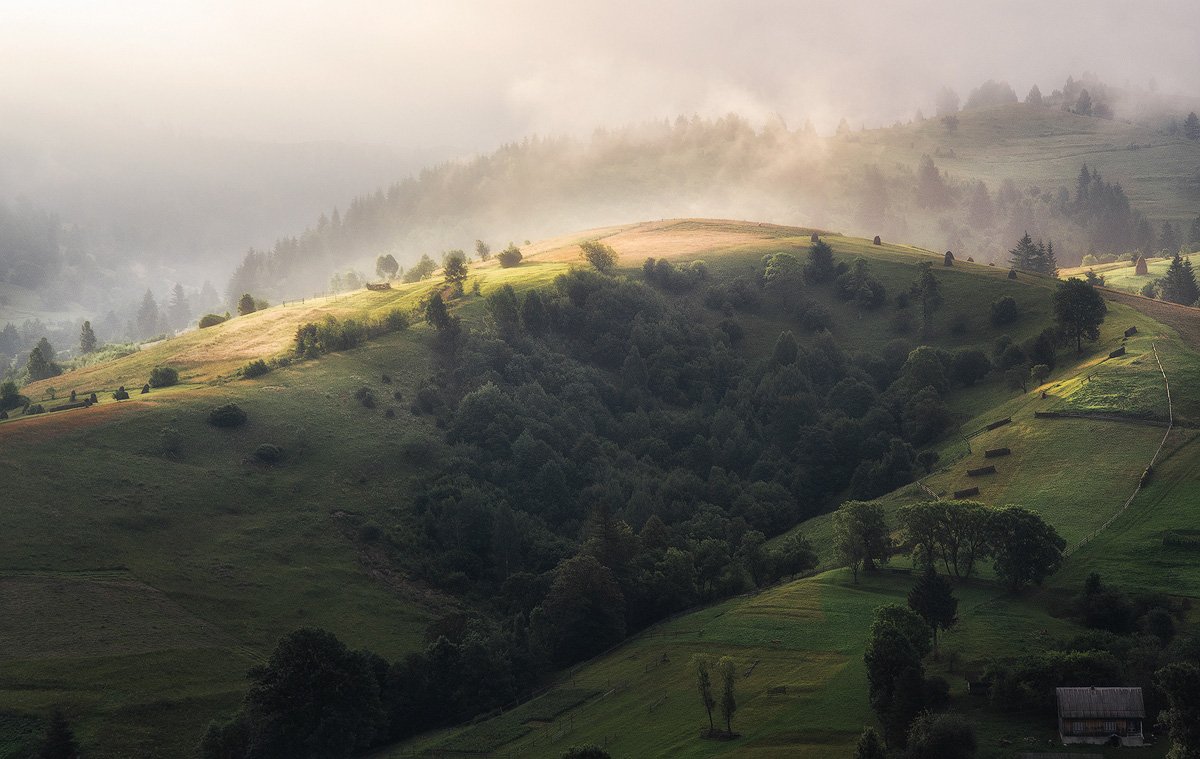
[464,76]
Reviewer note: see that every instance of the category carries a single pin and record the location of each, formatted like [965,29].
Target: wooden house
[1111,716]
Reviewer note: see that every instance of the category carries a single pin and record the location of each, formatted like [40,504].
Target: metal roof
[1100,702]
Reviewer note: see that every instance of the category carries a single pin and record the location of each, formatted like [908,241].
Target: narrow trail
[1145,478]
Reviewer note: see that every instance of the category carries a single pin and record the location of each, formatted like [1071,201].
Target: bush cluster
[228,415]
[316,338]
[163,376]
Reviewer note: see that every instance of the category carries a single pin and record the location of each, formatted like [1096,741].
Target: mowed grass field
[801,686]
[145,580]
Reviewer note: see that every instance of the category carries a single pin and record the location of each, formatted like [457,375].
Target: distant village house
[1111,716]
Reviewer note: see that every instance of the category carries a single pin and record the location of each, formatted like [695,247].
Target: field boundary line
[1145,478]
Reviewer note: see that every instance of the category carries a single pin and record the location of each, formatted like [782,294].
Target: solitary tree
[1079,310]
[246,304]
[454,269]
[703,666]
[87,338]
[436,313]
[599,255]
[1178,285]
[728,672]
[1026,550]
[483,250]
[820,266]
[41,361]
[933,598]
[510,256]
[386,266]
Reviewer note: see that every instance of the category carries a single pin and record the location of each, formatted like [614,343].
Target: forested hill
[972,183]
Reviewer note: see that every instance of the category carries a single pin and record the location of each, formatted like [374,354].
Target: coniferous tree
[147,316]
[180,310]
[1194,235]
[1025,255]
[1191,126]
[1178,285]
[41,361]
[454,269]
[1168,239]
[87,338]
[1034,97]
[1083,106]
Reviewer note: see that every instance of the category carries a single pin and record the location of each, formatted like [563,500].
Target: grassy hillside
[147,536]
[802,682]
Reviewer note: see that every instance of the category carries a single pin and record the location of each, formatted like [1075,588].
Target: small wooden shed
[1100,716]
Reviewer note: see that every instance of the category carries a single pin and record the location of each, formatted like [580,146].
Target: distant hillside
[974,187]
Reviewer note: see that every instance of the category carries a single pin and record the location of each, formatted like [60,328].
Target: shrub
[229,415]
[396,320]
[1004,311]
[34,408]
[170,442]
[365,396]
[121,394]
[510,256]
[163,376]
[211,320]
[268,453]
[598,254]
[816,319]
[255,368]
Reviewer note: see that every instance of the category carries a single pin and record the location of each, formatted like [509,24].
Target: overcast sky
[463,76]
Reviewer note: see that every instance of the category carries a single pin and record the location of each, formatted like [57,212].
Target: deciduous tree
[1079,311]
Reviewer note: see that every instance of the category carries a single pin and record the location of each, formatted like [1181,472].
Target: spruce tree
[1025,255]
[1194,235]
[41,361]
[180,310]
[1178,285]
[1168,239]
[1191,126]
[147,316]
[87,338]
